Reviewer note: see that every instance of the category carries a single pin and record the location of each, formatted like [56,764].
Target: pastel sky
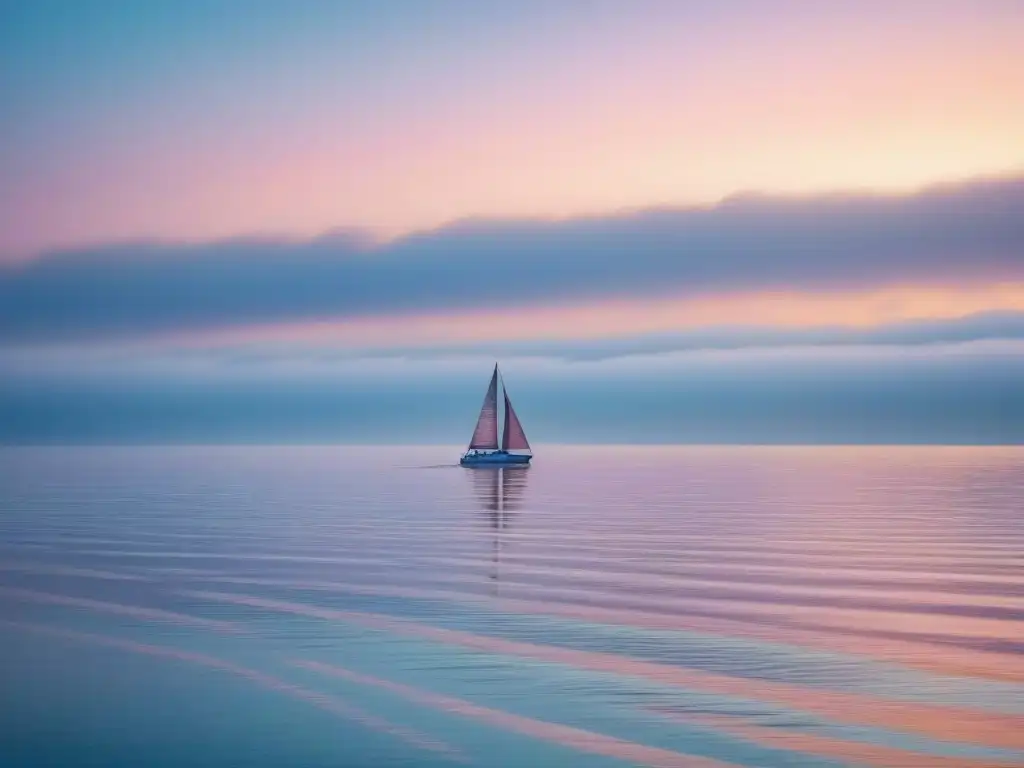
[445,180]
[197,120]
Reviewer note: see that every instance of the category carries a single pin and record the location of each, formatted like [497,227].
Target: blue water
[344,607]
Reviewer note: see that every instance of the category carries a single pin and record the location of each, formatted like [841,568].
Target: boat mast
[501,421]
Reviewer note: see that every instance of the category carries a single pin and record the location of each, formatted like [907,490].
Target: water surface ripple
[609,606]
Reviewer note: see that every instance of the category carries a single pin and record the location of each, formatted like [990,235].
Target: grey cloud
[978,327]
[960,232]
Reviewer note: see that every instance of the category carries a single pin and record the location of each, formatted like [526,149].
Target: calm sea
[367,607]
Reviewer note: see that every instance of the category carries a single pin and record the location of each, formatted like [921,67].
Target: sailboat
[483,450]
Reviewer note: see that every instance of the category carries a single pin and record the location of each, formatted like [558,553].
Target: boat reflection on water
[499,492]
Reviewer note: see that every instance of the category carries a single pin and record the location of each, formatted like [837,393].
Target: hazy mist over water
[609,606]
[960,394]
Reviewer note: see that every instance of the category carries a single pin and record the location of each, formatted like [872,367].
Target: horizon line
[461,446]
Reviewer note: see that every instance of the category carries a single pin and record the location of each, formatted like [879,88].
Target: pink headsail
[485,436]
[514,438]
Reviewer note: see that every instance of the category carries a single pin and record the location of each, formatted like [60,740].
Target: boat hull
[495,459]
